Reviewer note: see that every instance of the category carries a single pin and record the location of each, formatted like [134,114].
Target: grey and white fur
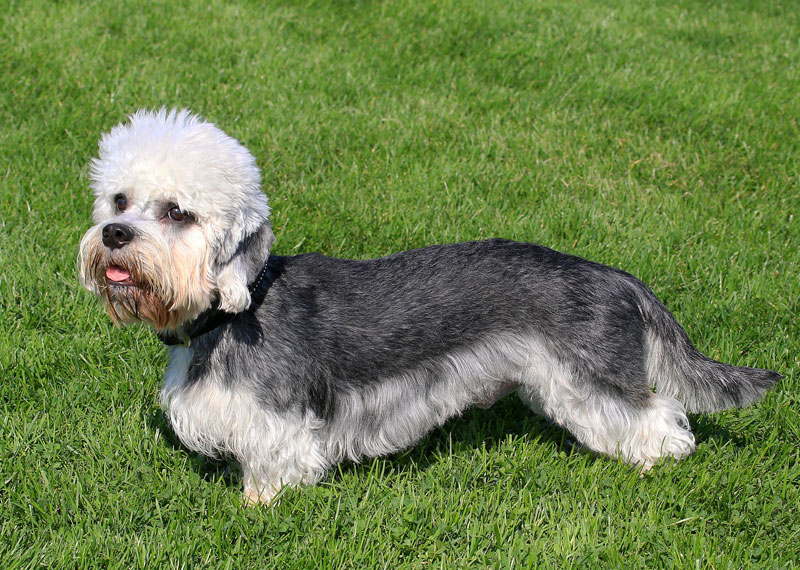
[307,361]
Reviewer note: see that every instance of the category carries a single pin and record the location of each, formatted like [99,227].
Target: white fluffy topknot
[176,155]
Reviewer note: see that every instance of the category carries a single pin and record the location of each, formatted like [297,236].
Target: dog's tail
[676,368]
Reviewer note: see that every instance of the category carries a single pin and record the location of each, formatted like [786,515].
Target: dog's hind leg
[640,430]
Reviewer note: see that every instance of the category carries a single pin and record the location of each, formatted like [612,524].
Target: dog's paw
[253,498]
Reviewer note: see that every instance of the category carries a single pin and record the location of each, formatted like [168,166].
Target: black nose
[117,235]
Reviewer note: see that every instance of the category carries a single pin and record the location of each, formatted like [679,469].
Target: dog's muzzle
[117,235]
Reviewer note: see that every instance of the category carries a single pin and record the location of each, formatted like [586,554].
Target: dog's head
[180,221]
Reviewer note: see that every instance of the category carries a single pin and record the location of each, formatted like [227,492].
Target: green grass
[660,137]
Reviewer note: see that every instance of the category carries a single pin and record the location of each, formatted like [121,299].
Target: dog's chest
[207,416]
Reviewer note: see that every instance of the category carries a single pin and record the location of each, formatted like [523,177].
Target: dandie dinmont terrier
[290,364]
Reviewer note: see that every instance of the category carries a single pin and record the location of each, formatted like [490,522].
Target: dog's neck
[214,317]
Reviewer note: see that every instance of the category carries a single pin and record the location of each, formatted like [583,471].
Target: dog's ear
[235,273]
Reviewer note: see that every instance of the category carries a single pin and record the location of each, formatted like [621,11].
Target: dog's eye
[177,215]
[120,202]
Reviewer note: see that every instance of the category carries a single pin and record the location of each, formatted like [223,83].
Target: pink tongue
[116,273]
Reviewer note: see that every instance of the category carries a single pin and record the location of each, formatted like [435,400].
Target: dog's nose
[117,235]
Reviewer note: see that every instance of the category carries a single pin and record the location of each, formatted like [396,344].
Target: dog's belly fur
[346,359]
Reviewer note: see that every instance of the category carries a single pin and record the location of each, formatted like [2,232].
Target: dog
[291,364]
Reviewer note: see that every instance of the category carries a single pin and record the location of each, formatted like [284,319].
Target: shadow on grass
[708,429]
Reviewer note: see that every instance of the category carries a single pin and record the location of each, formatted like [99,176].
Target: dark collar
[213,317]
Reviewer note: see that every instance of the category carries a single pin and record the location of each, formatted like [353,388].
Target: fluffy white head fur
[157,161]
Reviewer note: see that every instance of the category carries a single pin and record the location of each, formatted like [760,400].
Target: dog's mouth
[119,276]
[130,298]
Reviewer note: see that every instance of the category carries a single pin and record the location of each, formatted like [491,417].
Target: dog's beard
[136,298]
[129,304]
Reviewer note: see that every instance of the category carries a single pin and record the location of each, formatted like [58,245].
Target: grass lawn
[659,137]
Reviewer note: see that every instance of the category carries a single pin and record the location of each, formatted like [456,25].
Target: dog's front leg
[278,450]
